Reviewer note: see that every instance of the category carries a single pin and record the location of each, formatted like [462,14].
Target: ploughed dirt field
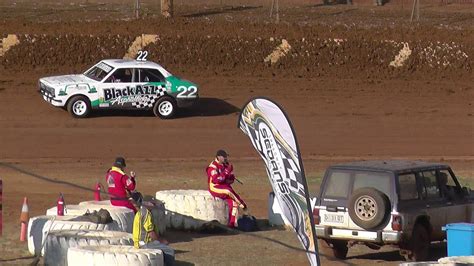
[359,82]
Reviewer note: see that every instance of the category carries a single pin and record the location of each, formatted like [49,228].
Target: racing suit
[118,185]
[219,179]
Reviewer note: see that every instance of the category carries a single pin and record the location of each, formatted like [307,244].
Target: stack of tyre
[190,209]
[121,215]
[63,240]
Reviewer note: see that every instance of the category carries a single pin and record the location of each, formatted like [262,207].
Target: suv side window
[408,187]
[447,185]
[430,189]
[338,184]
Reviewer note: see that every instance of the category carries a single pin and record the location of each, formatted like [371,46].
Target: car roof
[120,63]
[124,63]
[389,165]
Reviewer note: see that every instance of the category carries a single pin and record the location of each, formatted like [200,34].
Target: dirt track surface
[345,101]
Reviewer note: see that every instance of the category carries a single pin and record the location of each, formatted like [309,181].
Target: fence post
[137,9]
[167,8]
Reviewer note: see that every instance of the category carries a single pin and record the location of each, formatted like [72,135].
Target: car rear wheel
[165,108]
[369,208]
[338,248]
[79,106]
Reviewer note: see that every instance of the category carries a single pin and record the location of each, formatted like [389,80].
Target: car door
[152,83]
[436,205]
[410,203]
[118,90]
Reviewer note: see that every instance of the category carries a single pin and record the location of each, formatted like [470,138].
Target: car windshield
[99,71]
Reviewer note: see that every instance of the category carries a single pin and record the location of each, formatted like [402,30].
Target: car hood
[66,80]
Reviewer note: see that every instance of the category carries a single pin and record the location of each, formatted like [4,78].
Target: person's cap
[222,153]
[120,162]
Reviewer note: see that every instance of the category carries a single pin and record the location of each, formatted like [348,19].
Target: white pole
[137,9]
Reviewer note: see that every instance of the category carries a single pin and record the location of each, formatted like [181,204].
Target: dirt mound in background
[309,56]
[64,50]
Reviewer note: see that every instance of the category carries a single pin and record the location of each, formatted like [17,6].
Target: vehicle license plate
[333,218]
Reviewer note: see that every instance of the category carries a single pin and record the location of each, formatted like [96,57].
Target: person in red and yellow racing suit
[220,176]
[120,185]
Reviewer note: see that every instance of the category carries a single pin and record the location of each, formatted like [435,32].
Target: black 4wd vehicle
[403,203]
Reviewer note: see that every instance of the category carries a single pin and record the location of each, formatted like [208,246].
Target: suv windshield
[99,71]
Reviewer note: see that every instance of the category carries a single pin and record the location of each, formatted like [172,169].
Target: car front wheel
[165,108]
[79,106]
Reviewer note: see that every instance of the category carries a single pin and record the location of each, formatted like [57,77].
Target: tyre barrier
[158,213]
[111,255]
[190,209]
[58,242]
[123,216]
[39,226]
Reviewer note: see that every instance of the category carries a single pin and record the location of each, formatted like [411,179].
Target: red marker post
[97,192]
[1,207]
[60,205]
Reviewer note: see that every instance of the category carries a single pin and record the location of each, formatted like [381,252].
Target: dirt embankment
[308,56]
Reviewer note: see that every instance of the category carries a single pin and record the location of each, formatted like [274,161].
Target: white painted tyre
[158,213]
[39,226]
[111,255]
[122,215]
[189,209]
[94,202]
[58,242]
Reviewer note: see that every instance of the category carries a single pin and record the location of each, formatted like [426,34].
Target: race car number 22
[187,92]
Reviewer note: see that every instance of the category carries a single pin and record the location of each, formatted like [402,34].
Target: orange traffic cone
[24,217]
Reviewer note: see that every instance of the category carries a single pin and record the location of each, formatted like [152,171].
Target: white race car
[120,84]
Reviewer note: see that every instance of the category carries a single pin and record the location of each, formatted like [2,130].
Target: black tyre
[79,106]
[369,208]
[165,107]
[338,248]
[419,244]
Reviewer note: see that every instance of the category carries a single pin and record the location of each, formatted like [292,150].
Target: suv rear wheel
[369,208]
[419,244]
[338,248]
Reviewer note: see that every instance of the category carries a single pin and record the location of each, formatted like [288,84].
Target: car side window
[431,188]
[447,184]
[121,75]
[408,187]
[151,75]
[337,185]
